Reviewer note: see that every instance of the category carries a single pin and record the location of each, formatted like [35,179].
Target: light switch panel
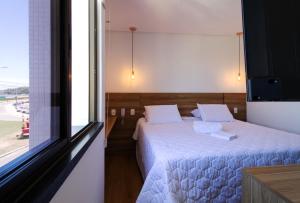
[123,112]
[236,110]
[113,112]
[132,112]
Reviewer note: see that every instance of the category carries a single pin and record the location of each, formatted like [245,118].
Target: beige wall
[173,63]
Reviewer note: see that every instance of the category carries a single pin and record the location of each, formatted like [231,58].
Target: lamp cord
[239,55]
[132,52]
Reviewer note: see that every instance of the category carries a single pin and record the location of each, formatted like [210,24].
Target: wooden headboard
[124,128]
[186,101]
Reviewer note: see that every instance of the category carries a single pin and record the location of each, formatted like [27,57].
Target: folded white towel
[224,135]
[207,127]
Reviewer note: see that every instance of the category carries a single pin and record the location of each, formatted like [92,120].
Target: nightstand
[279,184]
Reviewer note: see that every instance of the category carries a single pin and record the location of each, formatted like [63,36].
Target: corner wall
[279,115]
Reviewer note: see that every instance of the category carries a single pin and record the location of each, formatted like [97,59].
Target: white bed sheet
[180,165]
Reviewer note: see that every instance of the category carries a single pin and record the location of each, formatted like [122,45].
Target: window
[48,100]
[27,77]
[30,86]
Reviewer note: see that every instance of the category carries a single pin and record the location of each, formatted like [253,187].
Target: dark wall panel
[272,46]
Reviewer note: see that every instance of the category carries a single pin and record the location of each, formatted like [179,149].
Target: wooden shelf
[109,124]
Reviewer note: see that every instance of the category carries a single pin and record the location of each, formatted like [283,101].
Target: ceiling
[215,17]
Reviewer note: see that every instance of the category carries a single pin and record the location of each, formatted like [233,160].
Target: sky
[14,43]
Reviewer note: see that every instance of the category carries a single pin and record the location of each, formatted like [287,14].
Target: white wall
[279,115]
[173,63]
[86,181]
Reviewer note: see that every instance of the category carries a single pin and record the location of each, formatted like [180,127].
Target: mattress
[179,165]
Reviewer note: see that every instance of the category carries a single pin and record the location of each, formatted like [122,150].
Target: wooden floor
[123,180]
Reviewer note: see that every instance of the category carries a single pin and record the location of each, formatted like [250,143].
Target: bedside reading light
[239,77]
[239,34]
[132,30]
[132,75]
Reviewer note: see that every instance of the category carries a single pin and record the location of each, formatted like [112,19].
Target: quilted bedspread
[181,166]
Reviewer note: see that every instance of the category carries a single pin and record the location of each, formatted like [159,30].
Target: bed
[179,165]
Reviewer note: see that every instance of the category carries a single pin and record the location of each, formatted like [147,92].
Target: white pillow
[215,113]
[196,113]
[162,114]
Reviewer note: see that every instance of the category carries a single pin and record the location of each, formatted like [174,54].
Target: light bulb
[239,77]
[132,75]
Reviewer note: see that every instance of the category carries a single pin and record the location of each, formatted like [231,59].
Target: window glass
[80,65]
[26,78]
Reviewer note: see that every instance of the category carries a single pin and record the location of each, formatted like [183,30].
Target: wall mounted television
[272,49]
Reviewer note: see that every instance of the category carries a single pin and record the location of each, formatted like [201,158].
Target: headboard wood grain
[124,128]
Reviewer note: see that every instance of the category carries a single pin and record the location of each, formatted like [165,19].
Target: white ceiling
[216,17]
